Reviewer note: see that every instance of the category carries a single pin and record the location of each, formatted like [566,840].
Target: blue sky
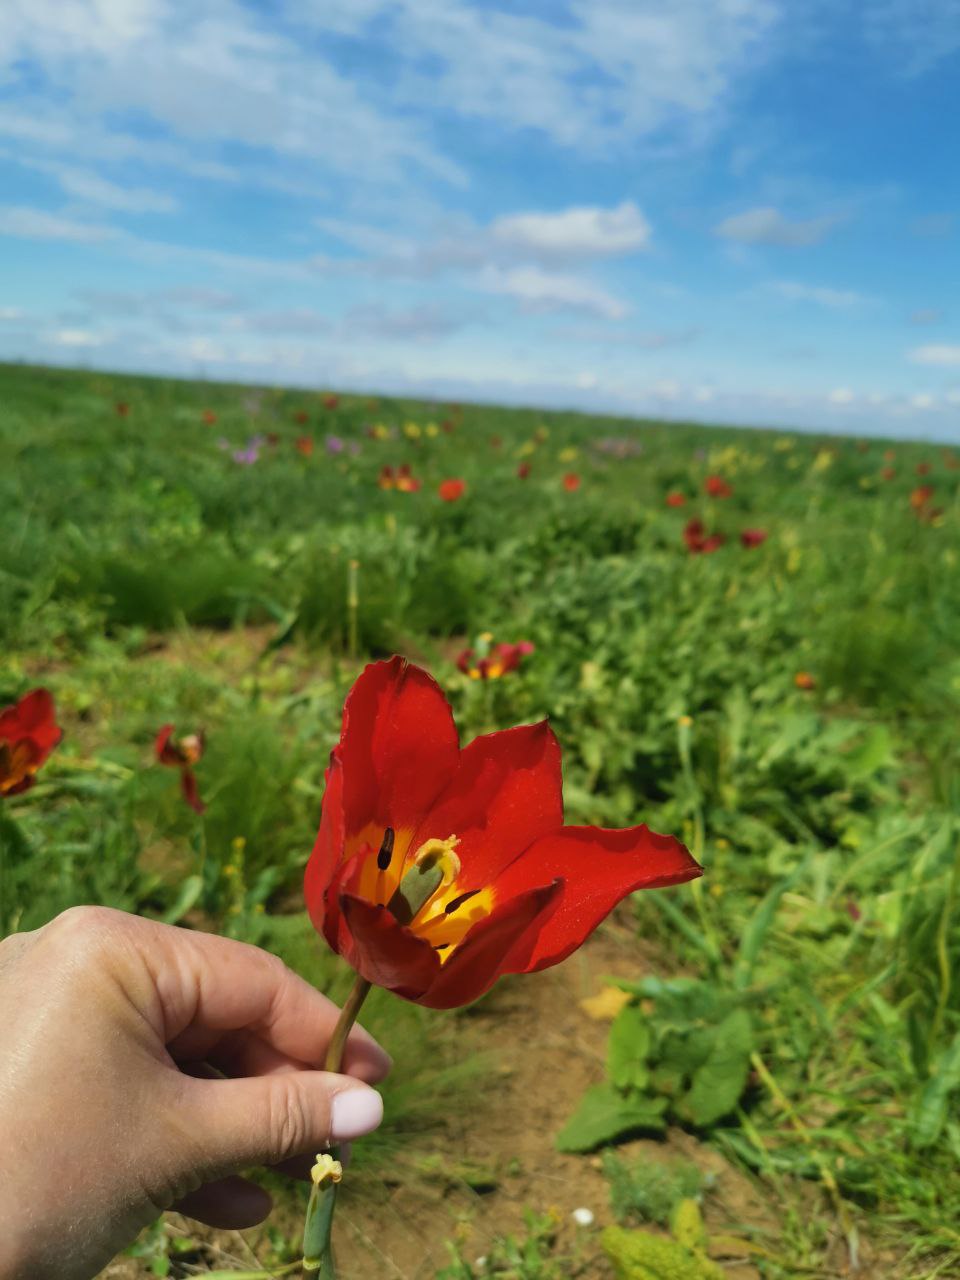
[728,210]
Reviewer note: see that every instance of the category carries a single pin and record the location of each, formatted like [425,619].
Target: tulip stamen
[386,850]
[435,866]
[454,903]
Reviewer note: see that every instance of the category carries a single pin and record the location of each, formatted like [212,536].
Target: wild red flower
[889,455]
[437,870]
[452,490]
[923,468]
[182,753]
[407,483]
[676,499]
[804,680]
[950,460]
[753,537]
[523,471]
[28,733]
[331,402]
[448,426]
[122,408]
[698,541]
[500,660]
[888,473]
[209,417]
[921,496]
[571,482]
[717,487]
[301,416]
[387,479]
[304,445]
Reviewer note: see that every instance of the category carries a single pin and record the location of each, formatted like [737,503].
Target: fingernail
[355,1112]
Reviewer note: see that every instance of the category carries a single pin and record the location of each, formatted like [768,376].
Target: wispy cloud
[821,295]
[537,290]
[768,226]
[583,232]
[936,354]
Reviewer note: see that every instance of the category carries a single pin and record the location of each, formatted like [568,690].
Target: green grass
[147,577]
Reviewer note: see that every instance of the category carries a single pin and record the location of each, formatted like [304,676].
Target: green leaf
[629,1048]
[753,935]
[719,1082]
[872,754]
[605,1114]
[929,1112]
[190,891]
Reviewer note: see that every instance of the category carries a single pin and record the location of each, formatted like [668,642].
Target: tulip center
[423,891]
[16,764]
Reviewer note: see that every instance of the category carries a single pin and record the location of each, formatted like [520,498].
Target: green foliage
[532,1256]
[649,1190]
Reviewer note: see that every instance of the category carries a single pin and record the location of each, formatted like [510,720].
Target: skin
[117,1036]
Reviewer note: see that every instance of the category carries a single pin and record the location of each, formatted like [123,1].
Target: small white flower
[583,1217]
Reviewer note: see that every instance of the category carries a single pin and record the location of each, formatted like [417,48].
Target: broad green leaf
[605,1114]
[929,1113]
[628,1048]
[719,1082]
[190,891]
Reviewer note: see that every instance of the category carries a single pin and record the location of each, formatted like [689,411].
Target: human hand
[103,1015]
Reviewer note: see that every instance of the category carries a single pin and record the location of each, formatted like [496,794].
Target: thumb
[267,1119]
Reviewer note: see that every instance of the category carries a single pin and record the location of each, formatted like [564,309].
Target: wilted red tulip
[331,402]
[804,680]
[571,482]
[209,417]
[753,537]
[523,471]
[698,541]
[122,408]
[28,733]
[304,445]
[437,870]
[501,659]
[676,499]
[301,416]
[717,487]
[182,753]
[451,490]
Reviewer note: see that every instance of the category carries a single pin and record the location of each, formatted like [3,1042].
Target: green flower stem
[318,1224]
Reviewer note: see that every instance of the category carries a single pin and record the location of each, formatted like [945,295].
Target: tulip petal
[505,795]
[500,943]
[398,747]
[328,849]
[598,868]
[32,717]
[188,784]
[383,951]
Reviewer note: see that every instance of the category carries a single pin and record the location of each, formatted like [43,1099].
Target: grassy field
[778,1043]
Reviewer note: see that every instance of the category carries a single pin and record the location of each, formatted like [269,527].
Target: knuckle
[84,931]
[290,1121]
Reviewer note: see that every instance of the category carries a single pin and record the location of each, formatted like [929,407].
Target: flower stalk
[318,1225]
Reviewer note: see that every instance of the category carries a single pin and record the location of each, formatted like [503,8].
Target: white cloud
[583,232]
[936,353]
[75,338]
[92,189]
[539,290]
[11,313]
[926,315]
[822,295]
[768,226]
[923,400]
[36,224]
[916,34]
[841,396]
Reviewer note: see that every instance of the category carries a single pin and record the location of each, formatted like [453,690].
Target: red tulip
[331,402]
[717,487]
[523,471]
[804,680]
[209,417]
[182,753]
[923,468]
[676,499]
[501,660]
[386,478]
[122,408]
[888,473]
[698,541]
[301,416]
[304,445]
[28,733]
[571,482]
[921,497]
[452,490]
[753,537]
[437,870]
